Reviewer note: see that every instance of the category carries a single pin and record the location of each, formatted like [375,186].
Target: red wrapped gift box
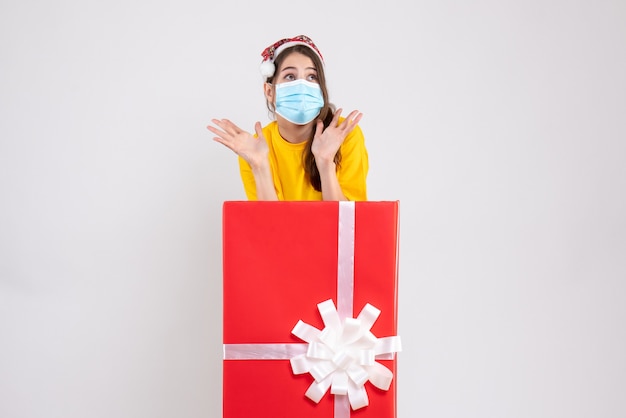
[280,261]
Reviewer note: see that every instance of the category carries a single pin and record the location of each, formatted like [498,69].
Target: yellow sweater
[290,180]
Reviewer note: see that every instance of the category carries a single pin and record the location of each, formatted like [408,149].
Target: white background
[499,125]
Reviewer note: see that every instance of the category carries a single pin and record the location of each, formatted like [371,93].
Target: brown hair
[326,114]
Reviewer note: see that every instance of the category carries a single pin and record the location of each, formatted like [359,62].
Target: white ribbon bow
[343,356]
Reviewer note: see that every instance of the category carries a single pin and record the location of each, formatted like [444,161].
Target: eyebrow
[294,68]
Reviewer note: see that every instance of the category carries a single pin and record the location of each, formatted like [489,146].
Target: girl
[309,152]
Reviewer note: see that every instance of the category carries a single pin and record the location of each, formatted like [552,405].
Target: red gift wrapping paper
[279,261]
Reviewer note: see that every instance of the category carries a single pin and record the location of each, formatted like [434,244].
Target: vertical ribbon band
[345,282]
[345,260]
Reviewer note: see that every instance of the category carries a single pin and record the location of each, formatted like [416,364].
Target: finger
[349,127]
[216,131]
[351,117]
[231,127]
[357,118]
[352,120]
[217,122]
[336,116]
[224,142]
[227,126]
[319,128]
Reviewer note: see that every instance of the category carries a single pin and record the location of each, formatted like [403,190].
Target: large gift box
[310,309]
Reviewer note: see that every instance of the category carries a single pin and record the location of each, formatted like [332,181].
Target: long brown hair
[326,114]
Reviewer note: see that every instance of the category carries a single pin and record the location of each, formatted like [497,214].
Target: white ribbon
[341,357]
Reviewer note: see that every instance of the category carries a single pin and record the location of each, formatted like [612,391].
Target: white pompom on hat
[270,53]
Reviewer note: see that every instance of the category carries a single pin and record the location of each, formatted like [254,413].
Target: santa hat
[271,52]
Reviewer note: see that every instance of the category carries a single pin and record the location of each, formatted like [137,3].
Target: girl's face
[296,66]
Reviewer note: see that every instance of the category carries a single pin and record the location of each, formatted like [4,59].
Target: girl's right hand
[252,149]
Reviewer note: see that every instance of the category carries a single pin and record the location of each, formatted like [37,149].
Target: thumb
[259,130]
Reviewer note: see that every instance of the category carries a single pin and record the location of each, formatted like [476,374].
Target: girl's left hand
[326,142]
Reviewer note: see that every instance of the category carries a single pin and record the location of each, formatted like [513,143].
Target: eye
[312,78]
[289,77]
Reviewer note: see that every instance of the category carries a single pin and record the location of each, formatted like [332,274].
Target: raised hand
[327,141]
[252,149]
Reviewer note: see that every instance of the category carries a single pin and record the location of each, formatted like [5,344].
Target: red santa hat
[270,53]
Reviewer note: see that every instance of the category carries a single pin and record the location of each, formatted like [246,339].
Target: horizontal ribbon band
[263,351]
[276,351]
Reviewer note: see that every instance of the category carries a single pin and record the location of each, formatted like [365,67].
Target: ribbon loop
[388,345]
[357,396]
[317,390]
[369,314]
[329,314]
[379,376]
[351,331]
[300,364]
[305,331]
[340,384]
[358,374]
[318,350]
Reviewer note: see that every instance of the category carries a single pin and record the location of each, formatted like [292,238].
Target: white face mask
[299,101]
